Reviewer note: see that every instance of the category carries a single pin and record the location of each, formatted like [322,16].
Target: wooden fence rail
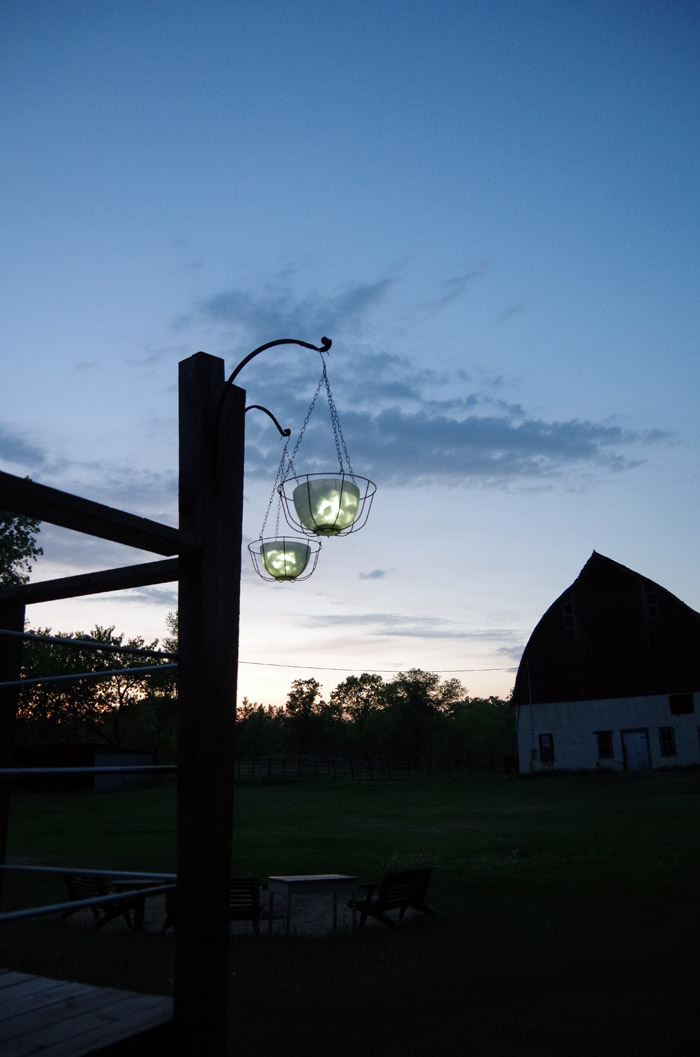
[316,768]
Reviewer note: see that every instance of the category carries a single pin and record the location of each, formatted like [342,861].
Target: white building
[610,677]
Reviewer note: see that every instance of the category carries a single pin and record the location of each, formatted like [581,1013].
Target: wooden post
[11,619]
[211,504]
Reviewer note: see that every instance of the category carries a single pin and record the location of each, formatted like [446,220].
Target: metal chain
[278,476]
[335,423]
[306,422]
[340,445]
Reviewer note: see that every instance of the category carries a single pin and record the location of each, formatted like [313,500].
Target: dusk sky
[493,210]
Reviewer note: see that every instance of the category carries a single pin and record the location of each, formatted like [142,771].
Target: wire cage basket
[323,504]
[334,503]
[283,559]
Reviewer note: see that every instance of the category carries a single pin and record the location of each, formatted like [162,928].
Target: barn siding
[574,724]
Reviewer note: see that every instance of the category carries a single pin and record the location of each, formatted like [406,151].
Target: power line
[378,671]
[97,645]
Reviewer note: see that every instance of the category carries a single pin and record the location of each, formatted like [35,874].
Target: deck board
[56,1018]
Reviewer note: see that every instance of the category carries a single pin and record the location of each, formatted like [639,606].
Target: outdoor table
[312,883]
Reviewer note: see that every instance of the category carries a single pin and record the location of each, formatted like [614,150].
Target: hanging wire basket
[279,558]
[321,504]
[334,503]
[283,559]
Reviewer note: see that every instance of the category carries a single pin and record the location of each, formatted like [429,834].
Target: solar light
[325,505]
[284,559]
[335,503]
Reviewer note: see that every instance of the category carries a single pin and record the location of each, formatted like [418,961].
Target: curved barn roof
[612,633]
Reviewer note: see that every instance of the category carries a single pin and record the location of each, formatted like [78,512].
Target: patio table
[289,885]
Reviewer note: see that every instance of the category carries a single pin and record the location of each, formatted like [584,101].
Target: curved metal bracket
[259,407]
[323,347]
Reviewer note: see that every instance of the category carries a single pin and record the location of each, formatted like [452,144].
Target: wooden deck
[54,1018]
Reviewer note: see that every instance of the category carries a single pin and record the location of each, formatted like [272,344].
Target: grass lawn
[568,907]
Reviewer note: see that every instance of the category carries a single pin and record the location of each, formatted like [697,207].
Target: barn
[610,677]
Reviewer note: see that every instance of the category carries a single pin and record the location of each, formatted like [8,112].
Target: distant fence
[316,768]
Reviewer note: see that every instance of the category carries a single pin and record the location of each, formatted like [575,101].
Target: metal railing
[144,890]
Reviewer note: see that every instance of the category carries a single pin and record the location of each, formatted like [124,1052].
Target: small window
[681,704]
[667,741]
[605,744]
[546,748]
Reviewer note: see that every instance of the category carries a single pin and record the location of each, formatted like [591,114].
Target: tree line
[125,711]
[415,712]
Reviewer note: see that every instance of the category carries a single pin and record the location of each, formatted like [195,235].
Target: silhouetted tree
[484,725]
[18,547]
[361,701]
[259,730]
[304,710]
[417,704]
[358,696]
[124,711]
[417,712]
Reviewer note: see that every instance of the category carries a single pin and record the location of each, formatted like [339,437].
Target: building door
[635,750]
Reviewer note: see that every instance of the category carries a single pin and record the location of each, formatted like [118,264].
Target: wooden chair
[243,903]
[397,890]
[92,886]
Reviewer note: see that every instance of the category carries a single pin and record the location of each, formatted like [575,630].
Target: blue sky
[492,209]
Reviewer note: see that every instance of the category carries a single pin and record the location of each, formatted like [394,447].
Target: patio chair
[244,903]
[92,886]
[397,890]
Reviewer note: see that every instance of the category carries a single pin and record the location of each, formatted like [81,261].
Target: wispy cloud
[510,311]
[276,310]
[398,625]
[402,447]
[493,449]
[451,290]
[152,596]
[409,422]
[18,451]
[376,574]
[512,653]
[406,422]
[69,550]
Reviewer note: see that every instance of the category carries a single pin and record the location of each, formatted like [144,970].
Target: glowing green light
[326,505]
[285,559]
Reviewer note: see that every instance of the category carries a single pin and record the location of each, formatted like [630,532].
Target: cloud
[123,485]
[66,551]
[401,447]
[451,290]
[412,424]
[510,311]
[16,450]
[152,494]
[491,448]
[277,311]
[152,596]
[376,574]
[406,422]
[512,653]
[406,426]
[398,625]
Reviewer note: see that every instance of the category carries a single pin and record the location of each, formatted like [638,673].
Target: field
[568,907]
